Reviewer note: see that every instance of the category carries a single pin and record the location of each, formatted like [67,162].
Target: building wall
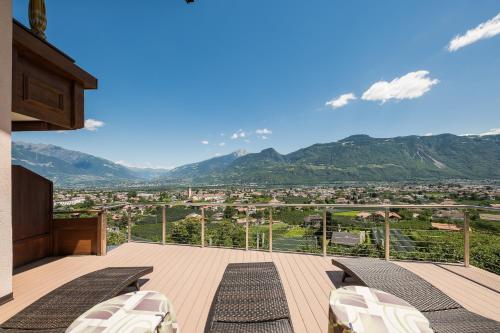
[5,148]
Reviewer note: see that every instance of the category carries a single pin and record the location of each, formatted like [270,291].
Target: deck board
[189,276]
[470,294]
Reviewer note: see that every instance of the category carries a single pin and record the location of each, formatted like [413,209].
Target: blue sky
[177,81]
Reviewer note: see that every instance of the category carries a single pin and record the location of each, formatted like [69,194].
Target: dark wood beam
[20,126]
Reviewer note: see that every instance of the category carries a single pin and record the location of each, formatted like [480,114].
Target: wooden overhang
[47,86]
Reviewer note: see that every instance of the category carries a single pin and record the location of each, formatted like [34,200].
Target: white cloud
[222,144]
[217,154]
[204,142]
[485,30]
[409,86]
[239,134]
[493,131]
[263,131]
[340,101]
[93,125]
[428,134]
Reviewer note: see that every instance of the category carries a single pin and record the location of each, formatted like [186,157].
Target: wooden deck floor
[189,276]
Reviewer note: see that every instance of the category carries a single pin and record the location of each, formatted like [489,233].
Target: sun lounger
[56,311]
[444,314]
[250,298]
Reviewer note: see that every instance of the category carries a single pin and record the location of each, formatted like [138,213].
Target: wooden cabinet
[47,86]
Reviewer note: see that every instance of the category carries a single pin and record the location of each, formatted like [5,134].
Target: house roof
[345,238]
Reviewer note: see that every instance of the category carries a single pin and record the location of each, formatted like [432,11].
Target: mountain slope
[72,168]
[362,158]
[192,171]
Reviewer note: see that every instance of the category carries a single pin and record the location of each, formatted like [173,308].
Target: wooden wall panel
[31,249]
[76,236]
[31,216]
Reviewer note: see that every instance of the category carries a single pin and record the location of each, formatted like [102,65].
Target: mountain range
[355,158]
[72,168]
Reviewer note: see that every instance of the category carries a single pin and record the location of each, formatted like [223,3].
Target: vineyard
[411,239]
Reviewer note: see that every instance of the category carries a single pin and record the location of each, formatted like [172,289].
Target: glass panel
[183,225]
[259,228]
[146,223]
[223,229]
[427,234]
[485,239]
[297,229]
[355,232]
[117,227]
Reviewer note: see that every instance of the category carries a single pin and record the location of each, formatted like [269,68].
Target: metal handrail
[80,211]
[312,205]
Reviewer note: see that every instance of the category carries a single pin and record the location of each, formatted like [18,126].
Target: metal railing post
[246,230]
[102,229]
[129,225]
[202,226]
[270,230]
[387,236]
[466,239]
[163,224]
[324,232]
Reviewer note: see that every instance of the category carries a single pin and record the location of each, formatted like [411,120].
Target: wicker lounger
[55,311]
[444,314]
[250,298]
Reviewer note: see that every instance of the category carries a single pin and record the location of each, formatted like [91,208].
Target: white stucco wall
[5,147]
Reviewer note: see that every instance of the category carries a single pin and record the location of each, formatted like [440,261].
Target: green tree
[115,238]
[187,232]
[229,212]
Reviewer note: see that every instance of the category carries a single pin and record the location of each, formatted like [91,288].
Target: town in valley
[353,215]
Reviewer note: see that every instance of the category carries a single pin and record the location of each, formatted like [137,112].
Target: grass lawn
[351,213]
[295,232]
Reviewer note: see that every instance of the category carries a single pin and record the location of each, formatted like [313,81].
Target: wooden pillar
[324,232]
[101,232]
[202,226]
[246,230]
[466,239]
[163,224]
[270,230]
[387,236]
[129,225]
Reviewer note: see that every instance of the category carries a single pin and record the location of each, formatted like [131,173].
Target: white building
[65,203]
